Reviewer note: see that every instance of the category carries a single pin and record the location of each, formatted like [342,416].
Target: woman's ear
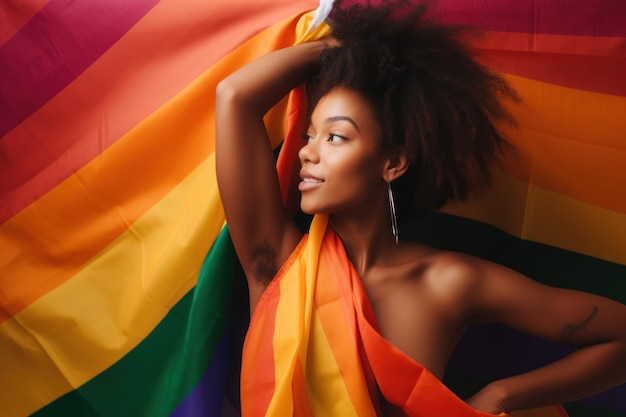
[396,165]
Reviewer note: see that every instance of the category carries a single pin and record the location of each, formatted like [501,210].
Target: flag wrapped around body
[326,356]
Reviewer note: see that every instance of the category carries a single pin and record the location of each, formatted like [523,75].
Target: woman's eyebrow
[342,118]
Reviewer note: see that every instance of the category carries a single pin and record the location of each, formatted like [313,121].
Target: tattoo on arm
[569,329]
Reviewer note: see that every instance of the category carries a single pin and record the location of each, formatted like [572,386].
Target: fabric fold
[319,334]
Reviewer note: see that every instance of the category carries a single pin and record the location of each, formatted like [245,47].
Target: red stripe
[55,47]
[596,64]
[261,382]
[13,18]
[288,164]
[590,46]
[571,17]
[598,74]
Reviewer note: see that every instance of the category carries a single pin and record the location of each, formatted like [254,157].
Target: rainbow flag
[117,295]
[326,355]
[557,212]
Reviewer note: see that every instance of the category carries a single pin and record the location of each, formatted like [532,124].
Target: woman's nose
[310,151]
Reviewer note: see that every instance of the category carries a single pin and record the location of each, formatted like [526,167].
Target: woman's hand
[489,400]
[585,321]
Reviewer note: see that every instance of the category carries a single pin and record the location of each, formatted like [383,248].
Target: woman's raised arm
[262,232]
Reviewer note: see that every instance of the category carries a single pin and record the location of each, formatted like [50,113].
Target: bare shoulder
[453,274]
[450,279]
[483,291]
[479,289]
[472,287]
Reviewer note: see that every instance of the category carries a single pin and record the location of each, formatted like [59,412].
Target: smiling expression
[342,162]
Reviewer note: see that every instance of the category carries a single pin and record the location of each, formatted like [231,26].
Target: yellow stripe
[290,314]
[324,387]
[534,213]
[571,142]
[571,113]
[114,303]
[293,313]
[306,342]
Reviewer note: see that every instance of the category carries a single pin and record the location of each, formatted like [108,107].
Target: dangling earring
[392,209]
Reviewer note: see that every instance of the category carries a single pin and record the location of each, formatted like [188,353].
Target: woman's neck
[367,239]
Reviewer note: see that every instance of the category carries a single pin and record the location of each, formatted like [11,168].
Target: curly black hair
[429,90]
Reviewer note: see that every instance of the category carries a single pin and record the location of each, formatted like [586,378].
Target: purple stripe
[564,17]
[477,354]
[55,47]
[206,398]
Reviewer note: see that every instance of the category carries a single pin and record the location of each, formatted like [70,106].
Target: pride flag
[314,349]
[117,295]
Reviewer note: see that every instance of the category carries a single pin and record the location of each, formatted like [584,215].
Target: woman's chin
[310,209]
[307,210]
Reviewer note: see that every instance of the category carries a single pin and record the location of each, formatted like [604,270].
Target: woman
[402,119]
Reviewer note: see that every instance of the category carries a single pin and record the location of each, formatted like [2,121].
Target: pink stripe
[14,16]
[125,86]
[566,17]
[55,47]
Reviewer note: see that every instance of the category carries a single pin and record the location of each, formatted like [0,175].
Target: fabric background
[117,294]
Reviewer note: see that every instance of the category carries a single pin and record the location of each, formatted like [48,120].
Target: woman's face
[342,162]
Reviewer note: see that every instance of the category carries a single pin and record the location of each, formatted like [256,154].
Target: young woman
[402,117]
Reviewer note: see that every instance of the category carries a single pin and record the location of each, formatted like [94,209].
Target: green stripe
[153,378]
[544,263]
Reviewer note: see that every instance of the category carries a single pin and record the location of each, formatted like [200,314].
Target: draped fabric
[326,356]
[115,267]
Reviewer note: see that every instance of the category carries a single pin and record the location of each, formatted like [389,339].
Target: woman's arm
[262,232]
[594,324]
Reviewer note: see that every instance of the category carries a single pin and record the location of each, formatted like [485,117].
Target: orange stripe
[261,381]
[340,332]
[13,17]
[93,207]
[259,345]
[124,86]
[571,142]
[301,402]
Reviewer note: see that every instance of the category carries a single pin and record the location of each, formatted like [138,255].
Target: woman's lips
[309,183]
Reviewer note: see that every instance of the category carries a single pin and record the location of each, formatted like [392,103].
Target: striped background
[114,266]
[558,211]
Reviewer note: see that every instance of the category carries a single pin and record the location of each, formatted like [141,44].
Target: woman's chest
[415,321]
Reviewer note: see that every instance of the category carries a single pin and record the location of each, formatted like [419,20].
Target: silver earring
[392,209]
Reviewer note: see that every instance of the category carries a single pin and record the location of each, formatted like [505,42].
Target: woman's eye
[307,138]
[335,138]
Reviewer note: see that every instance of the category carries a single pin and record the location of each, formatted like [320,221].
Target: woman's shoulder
[445,266]
[452,278]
